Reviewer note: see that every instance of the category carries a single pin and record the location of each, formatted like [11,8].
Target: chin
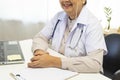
[68,10]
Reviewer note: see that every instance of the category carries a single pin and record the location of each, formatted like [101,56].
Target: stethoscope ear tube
[55,27]
[74,41]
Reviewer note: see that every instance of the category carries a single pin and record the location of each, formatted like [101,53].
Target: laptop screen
[10,52]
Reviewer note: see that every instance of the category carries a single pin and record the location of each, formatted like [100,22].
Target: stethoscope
[71,46]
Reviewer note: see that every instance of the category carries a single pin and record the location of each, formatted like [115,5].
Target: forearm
[90,63]
[39,42]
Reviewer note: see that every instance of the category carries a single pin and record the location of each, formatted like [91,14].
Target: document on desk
[44,74]
[88,76]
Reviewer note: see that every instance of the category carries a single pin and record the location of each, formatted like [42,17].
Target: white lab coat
[91,44]
[91,38]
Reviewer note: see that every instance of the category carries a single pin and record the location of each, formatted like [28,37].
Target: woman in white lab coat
[74,33]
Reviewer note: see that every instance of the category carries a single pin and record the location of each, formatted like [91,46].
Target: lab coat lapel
[61,26]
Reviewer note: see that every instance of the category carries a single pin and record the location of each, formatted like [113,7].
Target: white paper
[44,74]
[89,76]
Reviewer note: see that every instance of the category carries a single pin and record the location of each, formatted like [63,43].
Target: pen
[20,77]
[17,76]
[13,76]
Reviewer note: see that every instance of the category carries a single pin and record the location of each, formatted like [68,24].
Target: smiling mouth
[67,5]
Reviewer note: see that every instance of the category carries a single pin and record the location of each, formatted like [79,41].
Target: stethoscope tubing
[70,46]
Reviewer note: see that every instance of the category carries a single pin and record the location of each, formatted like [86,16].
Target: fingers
[40,52]
[35,58]
[44,61]
[39,61]
[33,64]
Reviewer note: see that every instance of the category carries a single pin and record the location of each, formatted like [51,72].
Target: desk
[26,48]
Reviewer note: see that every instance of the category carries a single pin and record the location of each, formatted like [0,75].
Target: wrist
[56,62]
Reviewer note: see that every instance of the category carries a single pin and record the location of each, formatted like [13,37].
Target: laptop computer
[10,52]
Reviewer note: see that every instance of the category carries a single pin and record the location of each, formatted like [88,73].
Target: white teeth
[67,4]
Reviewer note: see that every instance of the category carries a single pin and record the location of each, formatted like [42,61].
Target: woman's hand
[42,59]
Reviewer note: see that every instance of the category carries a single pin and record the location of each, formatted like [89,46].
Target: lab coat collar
[82,18]
[63,16]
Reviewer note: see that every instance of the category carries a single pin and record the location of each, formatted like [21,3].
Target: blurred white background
[43,10]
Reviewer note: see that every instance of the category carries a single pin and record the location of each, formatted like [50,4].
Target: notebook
[10,52]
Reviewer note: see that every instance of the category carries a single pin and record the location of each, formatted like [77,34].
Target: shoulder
[86,17]
[91,18]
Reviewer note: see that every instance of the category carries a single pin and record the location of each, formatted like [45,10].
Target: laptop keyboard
[1,51]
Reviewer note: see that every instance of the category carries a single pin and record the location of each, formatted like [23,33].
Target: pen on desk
[13,76]
[20,77]
[17,76]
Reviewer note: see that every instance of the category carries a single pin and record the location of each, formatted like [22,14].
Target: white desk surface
[26,48]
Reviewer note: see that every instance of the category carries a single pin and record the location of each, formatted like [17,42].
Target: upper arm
[94,38]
